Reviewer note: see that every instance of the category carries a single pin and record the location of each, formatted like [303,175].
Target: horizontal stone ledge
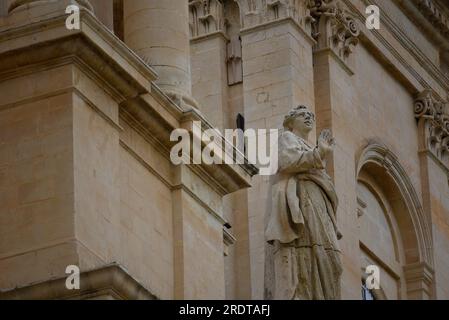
[110,281]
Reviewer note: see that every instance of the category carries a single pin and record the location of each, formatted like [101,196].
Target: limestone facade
[85,123]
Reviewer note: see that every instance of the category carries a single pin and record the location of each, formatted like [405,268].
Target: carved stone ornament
[434,120]
[334,27]
[206,16]
[303,257]
[436,13]
[255,12]
[298,10]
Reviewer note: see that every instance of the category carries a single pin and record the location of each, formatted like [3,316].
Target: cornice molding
[398,61]
[109,281]
[425,22]
[436,14]
[128,79]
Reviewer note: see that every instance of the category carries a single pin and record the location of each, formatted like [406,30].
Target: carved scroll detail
[334,27]
[432,113]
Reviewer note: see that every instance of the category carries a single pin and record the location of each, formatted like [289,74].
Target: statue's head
[300,119]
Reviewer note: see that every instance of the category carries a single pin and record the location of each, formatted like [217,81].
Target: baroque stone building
[86,116]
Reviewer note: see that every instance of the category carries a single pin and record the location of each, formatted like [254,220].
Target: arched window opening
[393,234]
[379,234]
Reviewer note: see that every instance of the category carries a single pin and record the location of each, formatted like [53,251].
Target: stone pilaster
[434,126]
[208,60]
[335,32]
[277,74]
[433,142]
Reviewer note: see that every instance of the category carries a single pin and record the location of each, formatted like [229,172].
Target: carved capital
[434,120]
[298,10]
[206,16]
[255,12]
[334,27]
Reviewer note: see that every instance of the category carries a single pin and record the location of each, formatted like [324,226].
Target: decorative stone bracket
[111,281]
[334,27]
[434,125]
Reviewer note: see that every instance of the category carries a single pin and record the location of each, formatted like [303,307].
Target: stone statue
[303,255]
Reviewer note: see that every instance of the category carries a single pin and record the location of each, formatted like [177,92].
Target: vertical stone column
[433,138]
[158,31]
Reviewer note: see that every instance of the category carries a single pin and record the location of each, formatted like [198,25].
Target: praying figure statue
[302,234]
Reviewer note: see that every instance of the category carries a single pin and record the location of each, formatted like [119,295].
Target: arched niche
[379,169]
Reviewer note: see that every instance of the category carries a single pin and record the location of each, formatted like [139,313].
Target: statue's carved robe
[302,230]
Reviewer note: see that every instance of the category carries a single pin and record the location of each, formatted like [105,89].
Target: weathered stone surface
[303,256]
[86,173]
[85,121]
